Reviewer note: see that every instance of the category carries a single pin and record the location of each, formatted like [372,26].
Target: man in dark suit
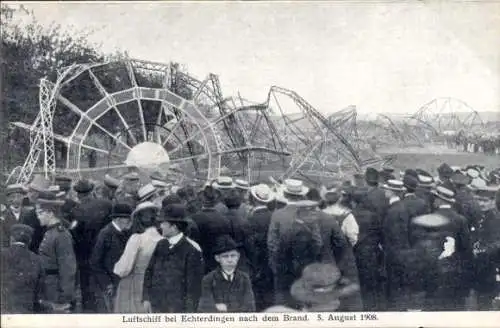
[465,203]
[175,269]
[108,249]
[455,265]
[90,216]
[22,274]
[375,197]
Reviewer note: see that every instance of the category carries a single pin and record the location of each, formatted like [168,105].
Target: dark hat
[224,244]
[48,198]
[445,170]
[209,194]
[410,172]
[173,213]
[62,179]
[132,176]
[371,175]
[388,169]
[111,182]
[460,179]
[359,195]
[395,185]
[430,220]
[444,193]
[21,232]
[320,283]
[15,189]
[410,182]
[171,199]
[83,186]
[121,210]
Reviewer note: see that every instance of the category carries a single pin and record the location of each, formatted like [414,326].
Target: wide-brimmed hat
[320,283]
[48,198]
[241,184]
[444,193]
[473,173]
[159,184]
[39,183]
[460,179]
[223,182]
[131,176]
[83,186]
[372,175]
[15,189]
[431,220]
[395,185]
[121,210]
[111,182]
[146,191]
[224,244]
[294,187]
[144,206]
[262,192]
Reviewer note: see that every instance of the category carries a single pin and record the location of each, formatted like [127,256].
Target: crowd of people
[378,241]
[475,142]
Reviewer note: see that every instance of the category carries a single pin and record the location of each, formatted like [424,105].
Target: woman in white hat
[135,259]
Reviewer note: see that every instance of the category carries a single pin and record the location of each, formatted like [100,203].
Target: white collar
[116,226]
[393,200]
[175,239]
[229,276]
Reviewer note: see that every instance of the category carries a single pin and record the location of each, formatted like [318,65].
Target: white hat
[294,187]
[242,184]
[146,191]
[159,184]
[223,182]
[473,173]
[144,206]
[262,193]
[54,188]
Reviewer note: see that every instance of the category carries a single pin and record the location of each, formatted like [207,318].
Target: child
[226,289]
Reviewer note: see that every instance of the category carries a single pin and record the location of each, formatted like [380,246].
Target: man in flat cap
[456,259]
[22,274]
[90,216]
[11,214]
[56,252]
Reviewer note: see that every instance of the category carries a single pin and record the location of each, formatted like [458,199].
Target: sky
[382,56]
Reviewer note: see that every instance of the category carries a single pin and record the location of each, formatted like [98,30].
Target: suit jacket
[377,202]
[175,271]
[211,224]
[29,217]
[236,294]
[22,280]
[7,220]
[91,216]
[107,251]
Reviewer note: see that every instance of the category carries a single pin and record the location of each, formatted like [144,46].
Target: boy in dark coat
[22,274]
[226,289]
[172,281]
[107,251]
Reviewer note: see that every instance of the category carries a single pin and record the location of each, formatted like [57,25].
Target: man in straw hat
[226,289]
[11,214]
[258,223]
[224,185]
[465,203]
[456,255]
[396,246]
[176,267]
[56,251]
[321,288]
[109,246]
[22,274]
[294,239]
[90,216]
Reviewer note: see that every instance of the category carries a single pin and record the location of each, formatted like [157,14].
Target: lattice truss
[439,118]
[100,114]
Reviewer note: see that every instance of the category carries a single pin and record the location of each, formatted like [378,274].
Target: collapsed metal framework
[98,112]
